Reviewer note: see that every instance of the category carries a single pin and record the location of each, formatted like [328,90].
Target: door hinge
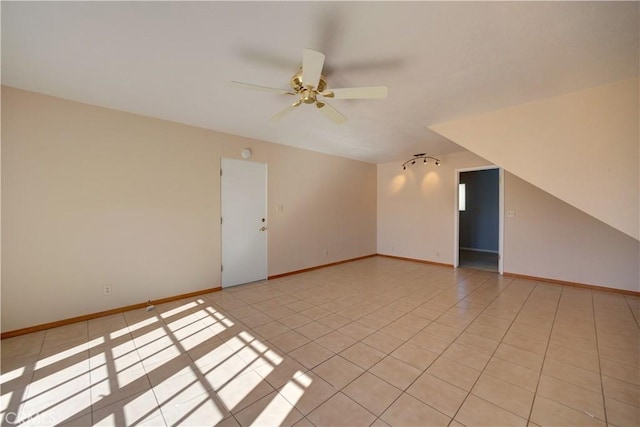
[220,220]
[221,269]
[220,172]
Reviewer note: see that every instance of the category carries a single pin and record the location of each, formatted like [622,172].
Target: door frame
[456,232]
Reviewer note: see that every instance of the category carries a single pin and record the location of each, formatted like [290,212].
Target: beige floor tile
[547,412]
[489,318]
[437,393]
[409,411]
[573,357]
[426,313]
[627,357]
[363,355]
[338,371]
[443,332]
[395,372]
[374,322]
[373,393]
[335,321]
[429,342]
[454,321]
[415,356]
[622,414]
[538,332]
[271,410]
[455,373]
[413,321]
[315,312]
[356,330]
[513,374]
[477,342]
[295,320]
[86,420]
[336,341]
[519,357]
[467,356]
[307,391]
[621,390]
[257,319]
[340,410]
[572,396]
[272,329]
[140,409]
[202,410]
[279,374]
[57,399]
[313,330]
[289,341]
[573,374]
[242,390]
[22,346]
[311,354]
[514,399]
[399,330]
[479,412]
[304,422]
[525,342]
[69,335]
[585,345]
[383,342]
[486,331]
[620,371]
[379,423]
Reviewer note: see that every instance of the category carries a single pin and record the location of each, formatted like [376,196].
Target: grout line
[479,287]
[492,355]
[405,341]
[544,358]
[595,327]
[633,314]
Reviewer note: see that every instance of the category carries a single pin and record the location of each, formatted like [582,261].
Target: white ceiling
[441,61]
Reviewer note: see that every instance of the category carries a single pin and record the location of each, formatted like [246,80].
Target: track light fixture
[420,156]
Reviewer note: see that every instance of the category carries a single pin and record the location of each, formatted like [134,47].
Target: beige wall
[416,207]
[582,147]
[547,238]
[92,196]
[551,239]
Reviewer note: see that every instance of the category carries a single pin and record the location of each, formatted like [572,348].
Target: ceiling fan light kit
[419,156]
[309,84]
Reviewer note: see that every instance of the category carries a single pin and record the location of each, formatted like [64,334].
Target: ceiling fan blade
[331,112]
[261,88]
[370,92]
[312,63]
[280,114]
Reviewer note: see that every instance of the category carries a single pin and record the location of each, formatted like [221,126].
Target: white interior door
[244,221]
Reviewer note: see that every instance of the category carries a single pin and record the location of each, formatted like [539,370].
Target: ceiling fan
[310,86]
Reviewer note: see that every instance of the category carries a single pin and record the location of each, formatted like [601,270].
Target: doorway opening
[479,221]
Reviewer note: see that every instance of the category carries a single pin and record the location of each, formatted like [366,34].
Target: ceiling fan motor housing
[298,86]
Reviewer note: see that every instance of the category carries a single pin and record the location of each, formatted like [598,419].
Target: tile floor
[372,342]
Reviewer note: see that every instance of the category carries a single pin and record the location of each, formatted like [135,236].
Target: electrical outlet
[106,290]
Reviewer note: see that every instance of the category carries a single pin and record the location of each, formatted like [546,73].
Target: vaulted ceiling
[441,61]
